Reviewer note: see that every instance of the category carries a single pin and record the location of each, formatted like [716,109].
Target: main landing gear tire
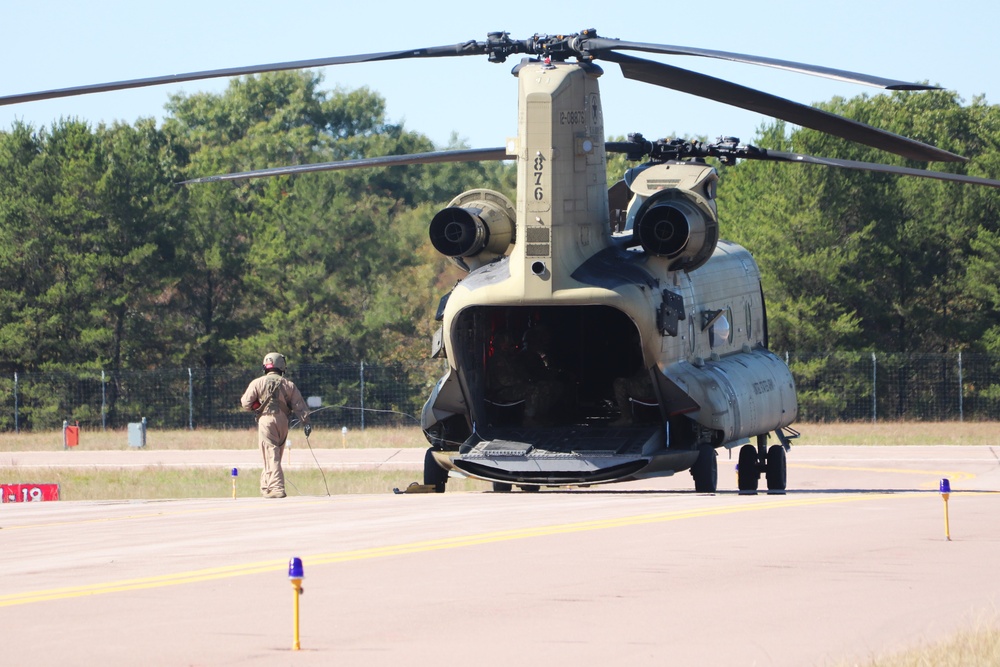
[502,487]
[705,470]
[747,475]
[434,475]
[777,470]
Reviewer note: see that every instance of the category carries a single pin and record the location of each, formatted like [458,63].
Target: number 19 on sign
[28,493]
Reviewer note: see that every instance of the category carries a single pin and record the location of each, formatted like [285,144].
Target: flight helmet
[274,361]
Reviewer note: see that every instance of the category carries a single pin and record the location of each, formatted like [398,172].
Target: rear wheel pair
[773,466]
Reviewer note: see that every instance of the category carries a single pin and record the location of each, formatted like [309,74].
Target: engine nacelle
[673,213]
[671,224]
[476,228]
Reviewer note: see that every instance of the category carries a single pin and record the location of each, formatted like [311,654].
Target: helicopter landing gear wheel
[434,475]
[705,470]
[502,487]
[531,488]
[777,470]
[747,474]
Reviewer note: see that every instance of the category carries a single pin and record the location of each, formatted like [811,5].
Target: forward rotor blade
[461,155]
[466,49]
[596,46]
[779,156]
[736,95]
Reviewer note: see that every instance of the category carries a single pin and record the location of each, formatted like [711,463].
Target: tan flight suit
[277,398]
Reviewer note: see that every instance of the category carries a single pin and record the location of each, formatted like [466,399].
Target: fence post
[104,403]
[961,407]
[362,396]
[190,400]
[874,389]
[17,426]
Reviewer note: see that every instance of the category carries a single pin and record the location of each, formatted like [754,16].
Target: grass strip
[158,482]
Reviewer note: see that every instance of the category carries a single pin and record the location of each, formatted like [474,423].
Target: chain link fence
[831,387]
[352,395]
[866,386]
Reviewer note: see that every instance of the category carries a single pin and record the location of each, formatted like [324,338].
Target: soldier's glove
[308,430]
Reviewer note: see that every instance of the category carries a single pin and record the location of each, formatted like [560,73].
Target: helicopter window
[721,333]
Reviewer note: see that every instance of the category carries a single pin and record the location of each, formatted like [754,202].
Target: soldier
[525,375]
[272,398]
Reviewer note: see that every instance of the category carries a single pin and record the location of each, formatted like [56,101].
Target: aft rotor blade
[596,46]
[780,156]
[736,95]
[461,155]
[466,49]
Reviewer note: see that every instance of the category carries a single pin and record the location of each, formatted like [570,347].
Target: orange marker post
[296,575]
[945,493]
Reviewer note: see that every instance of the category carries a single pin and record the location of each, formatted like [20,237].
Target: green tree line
[106,263]
[857,260]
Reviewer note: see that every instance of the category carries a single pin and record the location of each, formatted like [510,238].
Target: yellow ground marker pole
[235,474]
[945,492]
[296,575]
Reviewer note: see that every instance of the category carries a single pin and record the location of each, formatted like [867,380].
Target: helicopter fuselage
[662,310]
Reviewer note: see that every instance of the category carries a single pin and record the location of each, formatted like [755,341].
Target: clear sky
[52,44]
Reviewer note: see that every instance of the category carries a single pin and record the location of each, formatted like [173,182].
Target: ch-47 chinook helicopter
[627,291]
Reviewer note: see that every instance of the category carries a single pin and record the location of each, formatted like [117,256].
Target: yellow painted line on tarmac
[158,581]
[224,572]
[579,527]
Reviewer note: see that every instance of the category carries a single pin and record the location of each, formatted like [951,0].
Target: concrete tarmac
[853,561]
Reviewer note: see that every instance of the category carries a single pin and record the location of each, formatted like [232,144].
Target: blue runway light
[235,472]
[295,574]
[295,569]
[945,493]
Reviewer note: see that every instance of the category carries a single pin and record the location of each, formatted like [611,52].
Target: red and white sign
[29,493]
